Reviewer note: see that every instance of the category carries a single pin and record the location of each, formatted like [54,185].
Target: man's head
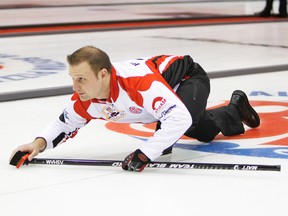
[96,58]
[90,69]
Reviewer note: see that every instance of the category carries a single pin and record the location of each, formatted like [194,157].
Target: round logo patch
[135,110]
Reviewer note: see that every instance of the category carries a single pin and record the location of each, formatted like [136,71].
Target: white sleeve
[175,119]
[64,127]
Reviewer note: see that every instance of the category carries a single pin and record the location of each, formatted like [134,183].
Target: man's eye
[80,79]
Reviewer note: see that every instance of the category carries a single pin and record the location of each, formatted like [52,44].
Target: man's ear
[103,73]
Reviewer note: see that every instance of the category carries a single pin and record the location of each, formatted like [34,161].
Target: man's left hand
[135,161]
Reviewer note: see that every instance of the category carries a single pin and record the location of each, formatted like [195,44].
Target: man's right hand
[33,148]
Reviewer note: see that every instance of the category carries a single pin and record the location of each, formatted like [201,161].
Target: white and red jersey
[140,92]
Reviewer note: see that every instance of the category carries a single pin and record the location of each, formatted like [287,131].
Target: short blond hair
[95,57]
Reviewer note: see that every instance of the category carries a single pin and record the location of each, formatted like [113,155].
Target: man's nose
[76,86]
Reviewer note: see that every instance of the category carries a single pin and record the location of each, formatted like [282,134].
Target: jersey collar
[114,88]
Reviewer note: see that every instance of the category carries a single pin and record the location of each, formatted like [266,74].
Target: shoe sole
[250,108]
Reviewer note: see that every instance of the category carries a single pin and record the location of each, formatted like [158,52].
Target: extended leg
[227,120]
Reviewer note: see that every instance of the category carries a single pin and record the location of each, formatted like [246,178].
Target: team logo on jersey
[158,103]
[165,112]
[269,140]
[135,110]
[16,68]
[112,113]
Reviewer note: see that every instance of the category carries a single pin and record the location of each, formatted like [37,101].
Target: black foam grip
[17,157]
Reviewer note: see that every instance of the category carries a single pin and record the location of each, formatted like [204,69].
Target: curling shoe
[264,13]
[248,115]
[283,15]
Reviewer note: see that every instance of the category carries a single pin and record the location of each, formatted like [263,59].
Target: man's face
[87,85]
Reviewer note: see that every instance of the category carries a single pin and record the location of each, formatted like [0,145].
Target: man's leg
[283,8]
[266,12]
[228,119]
[194,94]
[225,119]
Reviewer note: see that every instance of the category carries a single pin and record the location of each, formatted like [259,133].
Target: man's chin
[83,98]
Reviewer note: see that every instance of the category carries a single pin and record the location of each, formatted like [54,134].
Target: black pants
[282,6]
[207,124]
